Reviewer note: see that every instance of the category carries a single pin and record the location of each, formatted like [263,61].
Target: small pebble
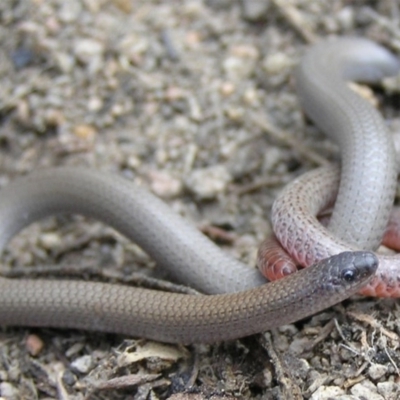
[276,63]
[22,58]
[95,104]
[70,11]
[68,377]
[74,349]
[251,97]
[366,390]
[82,364]
[50,240]
[164,185]
[227,88]
[241,63]
[87,132]
[124,5]
[272,157]
[8,391]
[34,344]
[207,183]
[376,371]
[297,346]
[346,17]
[247,159]
[86,49]
[327,393]
[389,390]
[255,10]
[315,379]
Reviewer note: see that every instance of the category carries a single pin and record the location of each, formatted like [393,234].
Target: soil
[194,100]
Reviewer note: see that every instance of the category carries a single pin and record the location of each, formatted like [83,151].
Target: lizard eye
[349,274]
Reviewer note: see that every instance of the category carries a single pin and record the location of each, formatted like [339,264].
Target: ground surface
[195,101]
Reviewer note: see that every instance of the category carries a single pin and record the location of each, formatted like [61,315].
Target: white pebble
[327,392]
[366,390]
[376,371]
[82,364]
[208,182]
[87,49]
[8,391]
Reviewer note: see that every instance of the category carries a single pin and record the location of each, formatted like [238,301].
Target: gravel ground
[194,100]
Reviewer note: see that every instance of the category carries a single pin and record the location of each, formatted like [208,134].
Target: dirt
[194,100]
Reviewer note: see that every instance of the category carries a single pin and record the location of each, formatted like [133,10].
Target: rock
[82,364]
[254,10]
[87,49]
[366,390]
[8,391]
[376,371]
[208,182]
[327,393]
[389,390]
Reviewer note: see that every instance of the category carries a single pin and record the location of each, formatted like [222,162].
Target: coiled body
[294,216]
[368,164]
[362,196]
